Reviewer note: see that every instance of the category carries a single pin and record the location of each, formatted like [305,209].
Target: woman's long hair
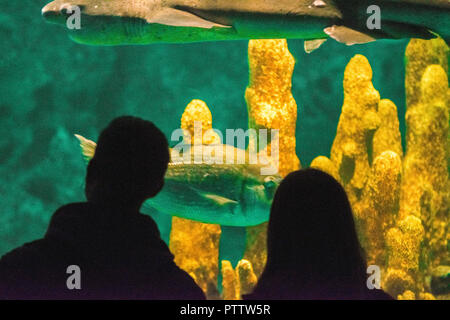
[312,241]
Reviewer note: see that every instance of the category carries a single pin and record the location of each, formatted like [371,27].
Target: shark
[232,193]
[128,22]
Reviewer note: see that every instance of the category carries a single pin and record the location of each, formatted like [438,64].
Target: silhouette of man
[313,250]
[104,248]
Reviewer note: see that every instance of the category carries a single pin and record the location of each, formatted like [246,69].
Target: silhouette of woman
[312,247]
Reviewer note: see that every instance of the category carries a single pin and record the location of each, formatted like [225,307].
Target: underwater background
[52,88]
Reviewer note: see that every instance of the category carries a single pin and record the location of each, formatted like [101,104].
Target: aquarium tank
[374,115]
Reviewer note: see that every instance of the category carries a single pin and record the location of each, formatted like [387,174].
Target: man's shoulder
[34,251]
[23,255]
[20,268]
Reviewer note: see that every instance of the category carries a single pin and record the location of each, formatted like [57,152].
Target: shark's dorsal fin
[87,147]
[181,18]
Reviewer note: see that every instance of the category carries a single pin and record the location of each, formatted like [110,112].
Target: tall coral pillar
[195,245]
[426,186]
[388,136]
[352,148]
[377,211]
[271,105]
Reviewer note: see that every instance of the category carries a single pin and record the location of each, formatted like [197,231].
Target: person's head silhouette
[312,242]
[129,163]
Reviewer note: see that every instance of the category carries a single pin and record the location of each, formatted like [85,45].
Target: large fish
[116,22]
[234,194]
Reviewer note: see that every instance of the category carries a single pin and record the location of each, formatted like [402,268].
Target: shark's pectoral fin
[181,18]
[347,35]
[311,45]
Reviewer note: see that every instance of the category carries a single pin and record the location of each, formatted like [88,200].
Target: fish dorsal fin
[180,18]
[87,147]
[347,35]
[311,45]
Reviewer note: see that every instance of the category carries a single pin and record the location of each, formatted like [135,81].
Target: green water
[51,88]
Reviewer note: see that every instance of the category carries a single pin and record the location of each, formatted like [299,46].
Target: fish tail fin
[87,147]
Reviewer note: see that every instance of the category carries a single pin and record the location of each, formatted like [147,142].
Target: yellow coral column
[230,285]
[195,245]
[326,165]
[352,146]
[403,249]
[239,281]
[269,99]
[419,240]
[426,186]
[418,56]
[388,136]
[377,211]
[271,105]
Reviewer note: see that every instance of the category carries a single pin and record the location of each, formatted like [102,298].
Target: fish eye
[270,186]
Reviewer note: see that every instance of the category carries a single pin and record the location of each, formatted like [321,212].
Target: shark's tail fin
[398,19]
[87,147]
[420,15]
